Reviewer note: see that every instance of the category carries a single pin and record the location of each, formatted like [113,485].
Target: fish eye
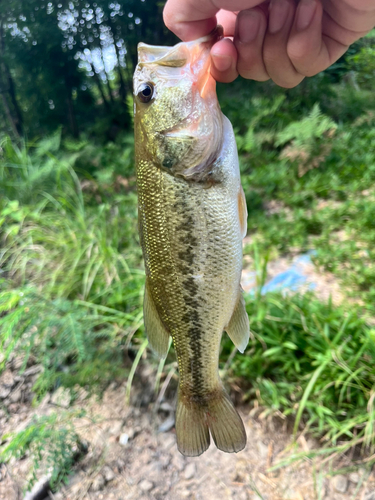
[145,92]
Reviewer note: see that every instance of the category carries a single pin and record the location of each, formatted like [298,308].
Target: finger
[250,30]
[192,19]
[275,56]
[224,61]
[309,48]
[306,48]
[353,15]
[332,28]
[223,53]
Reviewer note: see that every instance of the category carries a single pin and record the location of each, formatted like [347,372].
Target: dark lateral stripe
[191,317]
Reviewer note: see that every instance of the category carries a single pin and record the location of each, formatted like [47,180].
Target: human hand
[284,40]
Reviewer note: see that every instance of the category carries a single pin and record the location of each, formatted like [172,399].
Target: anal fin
[238,327]
[156,332]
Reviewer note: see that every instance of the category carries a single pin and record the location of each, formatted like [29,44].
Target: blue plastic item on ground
[290,280]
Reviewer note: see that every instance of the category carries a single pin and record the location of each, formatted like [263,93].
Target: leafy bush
[363,63]
[305,140]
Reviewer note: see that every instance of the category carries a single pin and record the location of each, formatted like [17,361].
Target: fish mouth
[213,37]
[161,54]
[206,83]
[195,55]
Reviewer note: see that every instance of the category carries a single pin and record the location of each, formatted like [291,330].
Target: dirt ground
[132,454]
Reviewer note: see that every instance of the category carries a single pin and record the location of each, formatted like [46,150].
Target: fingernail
[305,14]
[248,26]
[279,10]
[222,63]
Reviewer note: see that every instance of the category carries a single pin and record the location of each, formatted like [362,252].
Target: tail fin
[194,421]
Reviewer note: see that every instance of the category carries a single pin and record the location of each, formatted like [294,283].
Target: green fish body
[192,219]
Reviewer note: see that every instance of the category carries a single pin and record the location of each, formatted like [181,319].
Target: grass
[323,196]
[71,276]
[71,291]
[313,362]
[71,283]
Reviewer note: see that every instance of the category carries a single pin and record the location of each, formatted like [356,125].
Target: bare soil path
[129,458]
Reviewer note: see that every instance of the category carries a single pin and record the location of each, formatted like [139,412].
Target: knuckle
[272,58]
[309,71]
[257,75]
[297,53]
[225,77]
[308,64]
[281,69]
[288,84]
[251,66]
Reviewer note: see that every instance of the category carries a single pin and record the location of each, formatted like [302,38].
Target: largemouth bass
[192,219]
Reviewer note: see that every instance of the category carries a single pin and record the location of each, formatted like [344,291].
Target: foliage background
[71,276]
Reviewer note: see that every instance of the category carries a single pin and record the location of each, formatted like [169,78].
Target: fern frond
[305,131]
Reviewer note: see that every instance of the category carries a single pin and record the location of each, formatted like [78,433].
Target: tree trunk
[109,89]
[71,114]
[14,115]
[12,93]
[123,90]
[100,88]
[9,114]
[122,83]
[98,82]
[107,78]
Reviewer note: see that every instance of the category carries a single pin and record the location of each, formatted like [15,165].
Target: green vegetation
[72,287]
[309,184]
[69,63]
[52,442]
[71,279]
[313,361]
[71,276]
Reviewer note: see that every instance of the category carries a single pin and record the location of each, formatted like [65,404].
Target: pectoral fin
[157,335]
[242,211]
[238,327]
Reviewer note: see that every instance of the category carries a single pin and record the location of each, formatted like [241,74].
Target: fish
[192,219]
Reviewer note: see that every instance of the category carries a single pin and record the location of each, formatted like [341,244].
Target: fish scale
[192,218]
[174,256]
